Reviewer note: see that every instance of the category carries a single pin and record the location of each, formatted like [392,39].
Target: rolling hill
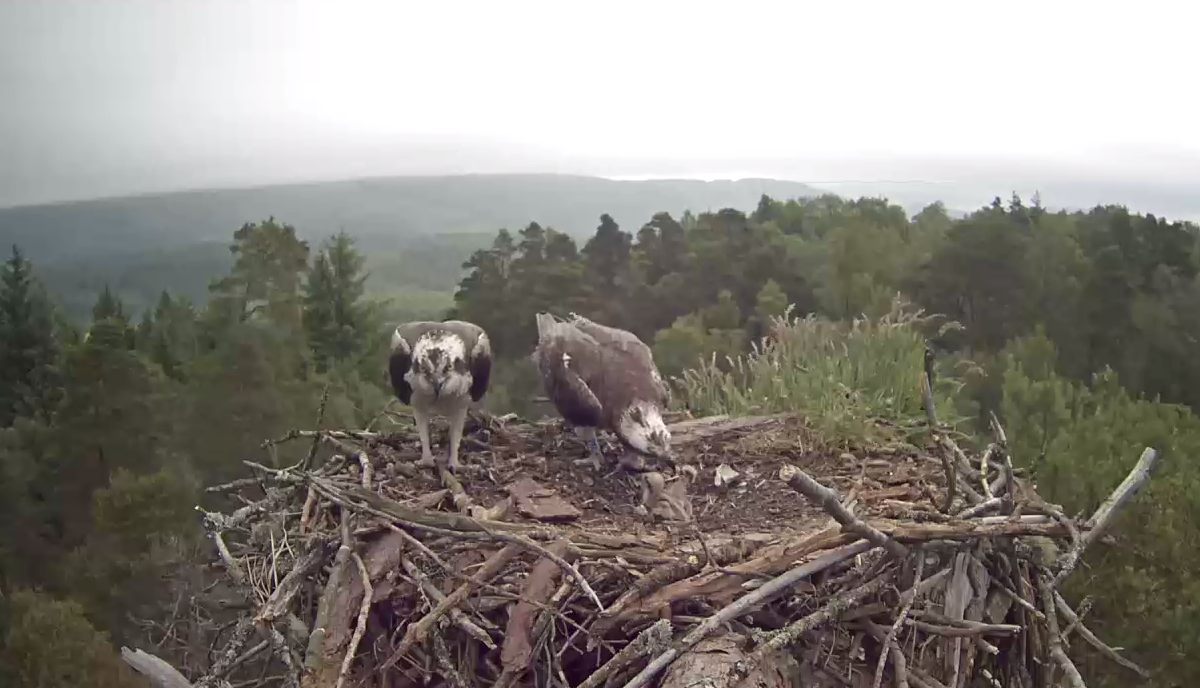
[416,230]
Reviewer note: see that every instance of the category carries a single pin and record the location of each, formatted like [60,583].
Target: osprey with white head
[439,368]
[601,377]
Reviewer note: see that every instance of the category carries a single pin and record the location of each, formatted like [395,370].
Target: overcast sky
[1079,99]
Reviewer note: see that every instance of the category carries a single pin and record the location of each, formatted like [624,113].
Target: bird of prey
[439,368]
[604,378]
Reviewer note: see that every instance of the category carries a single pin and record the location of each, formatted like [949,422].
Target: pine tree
[29,383]
[607,268]
[111,416]
[269,261]
[337,320]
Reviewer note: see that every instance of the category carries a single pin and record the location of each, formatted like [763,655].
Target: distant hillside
[390,208]
[416,230]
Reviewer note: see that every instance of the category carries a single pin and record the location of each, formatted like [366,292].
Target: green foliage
[29,380]
[1083,441]
[269,261]
[839,375]
[27,547]
[48,643]
[1079,331]
[335,312]
[770,302]
[607,272]
[689,341]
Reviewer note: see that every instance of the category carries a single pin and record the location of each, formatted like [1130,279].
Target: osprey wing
[567,362]
[632,348]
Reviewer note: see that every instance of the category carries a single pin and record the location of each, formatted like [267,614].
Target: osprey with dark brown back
[604,378]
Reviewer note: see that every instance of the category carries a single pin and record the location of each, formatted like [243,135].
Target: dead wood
[1104,515]
[526,569]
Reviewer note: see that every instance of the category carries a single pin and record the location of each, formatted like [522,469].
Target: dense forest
[1077,329]
[415,231]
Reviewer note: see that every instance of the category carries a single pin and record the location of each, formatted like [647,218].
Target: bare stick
[1055,641]
[652,639]
[831,502]
[1104,515]
[312,450]
[481,534]
[306,511]
[983,474]
[437,596]
[951,482]
[980,508]
[416,632]
[899,663]
[158,672]
[314,657]
[367,472]
[890,641]
[1101,647]
[927,400]
[361,626]
[1010,486]
[744,604]
[830,611]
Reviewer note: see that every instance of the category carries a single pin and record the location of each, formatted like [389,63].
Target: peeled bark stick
[1104,515]
[651,639]
[156,671]
[899,662]
[777,586]
[983,474]
[456,615]
[963,468]
[416,632]
[831,502]
[367,471]
[473,529]
[830,611]
[1101,647]
[980,508]
[889,643]
[280,601]
[462,501]
[361,626]
[1046,593]
[1010,483]
[316,656]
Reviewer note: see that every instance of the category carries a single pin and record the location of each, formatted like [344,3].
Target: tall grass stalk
[838,375]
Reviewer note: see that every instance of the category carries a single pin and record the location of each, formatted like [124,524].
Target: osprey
[439,368]
[601,377]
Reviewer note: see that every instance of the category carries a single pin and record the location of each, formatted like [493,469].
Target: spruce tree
[28,351]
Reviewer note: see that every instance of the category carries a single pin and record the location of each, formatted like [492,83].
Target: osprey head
[439,365]
[642,427]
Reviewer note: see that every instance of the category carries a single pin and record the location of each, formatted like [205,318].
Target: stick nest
[911,564]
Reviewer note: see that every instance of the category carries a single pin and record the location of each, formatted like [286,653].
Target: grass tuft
[839,376]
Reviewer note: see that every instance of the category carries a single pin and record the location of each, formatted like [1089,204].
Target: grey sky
[1087,101]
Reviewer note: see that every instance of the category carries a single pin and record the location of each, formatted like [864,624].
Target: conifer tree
[29,382]
[336,317]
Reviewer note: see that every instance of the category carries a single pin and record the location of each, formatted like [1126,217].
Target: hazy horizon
[961,103]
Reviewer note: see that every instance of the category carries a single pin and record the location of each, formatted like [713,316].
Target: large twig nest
[908,565]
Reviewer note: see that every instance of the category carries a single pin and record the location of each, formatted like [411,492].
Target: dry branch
[832,504]
[379,579]
[1103,517]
